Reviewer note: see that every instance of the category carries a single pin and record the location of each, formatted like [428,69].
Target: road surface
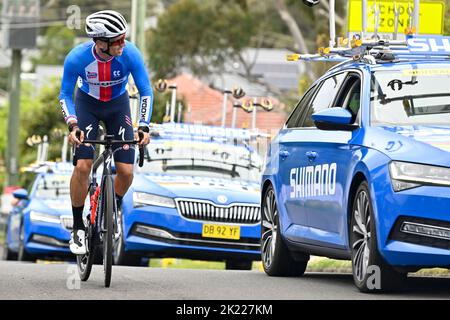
[60,281]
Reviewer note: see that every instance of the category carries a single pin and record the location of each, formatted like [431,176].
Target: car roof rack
[184,131]
[373,51]
[49,167]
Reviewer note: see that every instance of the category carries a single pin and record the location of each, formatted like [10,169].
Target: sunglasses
[117,42]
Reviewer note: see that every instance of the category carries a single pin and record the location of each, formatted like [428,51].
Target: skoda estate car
[196,197]
[39,225]
[361,171]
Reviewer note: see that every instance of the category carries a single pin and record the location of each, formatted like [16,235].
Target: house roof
[205,105]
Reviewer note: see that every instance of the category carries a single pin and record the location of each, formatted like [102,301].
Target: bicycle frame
[105,158]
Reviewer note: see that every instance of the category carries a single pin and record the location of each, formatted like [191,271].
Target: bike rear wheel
[108,228]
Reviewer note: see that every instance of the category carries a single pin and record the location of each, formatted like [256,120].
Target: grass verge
[193,264]
[319,264]
[316,264]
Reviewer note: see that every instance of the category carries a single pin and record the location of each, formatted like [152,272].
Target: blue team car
[39,224]
[361,169]
[196,197]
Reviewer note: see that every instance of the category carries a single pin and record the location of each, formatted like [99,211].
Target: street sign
[431,15]
[20,18]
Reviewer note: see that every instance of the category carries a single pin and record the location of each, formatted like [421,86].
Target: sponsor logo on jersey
[122,132]
[91,75]
[128,121]
[313,181]
[106,83]
[144,107]
[88,130]
[62,103]
[116,73]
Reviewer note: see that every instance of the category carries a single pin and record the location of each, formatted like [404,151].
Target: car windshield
[53,186]
[418,95]
[193,158]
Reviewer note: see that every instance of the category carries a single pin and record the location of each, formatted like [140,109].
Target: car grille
[66,222]
[208,211]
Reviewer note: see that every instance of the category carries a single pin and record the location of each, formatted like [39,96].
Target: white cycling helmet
[105,24]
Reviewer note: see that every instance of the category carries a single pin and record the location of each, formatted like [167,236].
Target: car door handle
[284,154]
[312,155]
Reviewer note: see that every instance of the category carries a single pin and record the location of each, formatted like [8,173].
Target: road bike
[101,222]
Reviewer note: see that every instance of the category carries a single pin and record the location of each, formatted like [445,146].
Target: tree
[57,44]
[159,106]
[295,15]
[201,36]
[294,29]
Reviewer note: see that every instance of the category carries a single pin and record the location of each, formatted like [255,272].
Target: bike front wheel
[108,228]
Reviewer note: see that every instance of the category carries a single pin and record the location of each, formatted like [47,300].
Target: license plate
[221,231]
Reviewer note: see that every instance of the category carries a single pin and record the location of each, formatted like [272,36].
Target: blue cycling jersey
[104,80]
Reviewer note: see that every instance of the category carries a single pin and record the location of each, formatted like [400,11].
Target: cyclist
[101,68]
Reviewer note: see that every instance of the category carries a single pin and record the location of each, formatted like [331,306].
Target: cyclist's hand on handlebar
[73,139]
[145,137]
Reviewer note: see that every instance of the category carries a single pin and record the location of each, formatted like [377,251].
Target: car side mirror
[334,119]
[21,194]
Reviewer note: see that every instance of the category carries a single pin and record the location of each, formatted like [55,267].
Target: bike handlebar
[110,142]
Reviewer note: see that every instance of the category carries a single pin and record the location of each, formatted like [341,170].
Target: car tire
[275,255]
[366,258]
[238,265]
[8,255]
[121,257]
[22,254]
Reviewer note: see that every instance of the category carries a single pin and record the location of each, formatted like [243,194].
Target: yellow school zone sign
[431,16]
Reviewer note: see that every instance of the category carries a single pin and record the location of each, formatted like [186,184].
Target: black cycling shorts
[116,116]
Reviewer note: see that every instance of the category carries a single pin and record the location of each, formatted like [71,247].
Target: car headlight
[406,175]
[43,217]
[145,199]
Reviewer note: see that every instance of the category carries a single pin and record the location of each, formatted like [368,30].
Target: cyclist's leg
[88,122]
[118,122]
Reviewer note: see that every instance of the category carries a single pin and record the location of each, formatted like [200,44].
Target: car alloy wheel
[361,234]
[23,255]
[276,258]
[366,258]
[269,229]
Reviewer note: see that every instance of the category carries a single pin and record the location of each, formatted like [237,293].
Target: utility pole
[173,87]
[332,24]
[224,106]
[140,28]
[364,19]
[138,10]
[416,15]
[14,13]
[254,114]
[13,119]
